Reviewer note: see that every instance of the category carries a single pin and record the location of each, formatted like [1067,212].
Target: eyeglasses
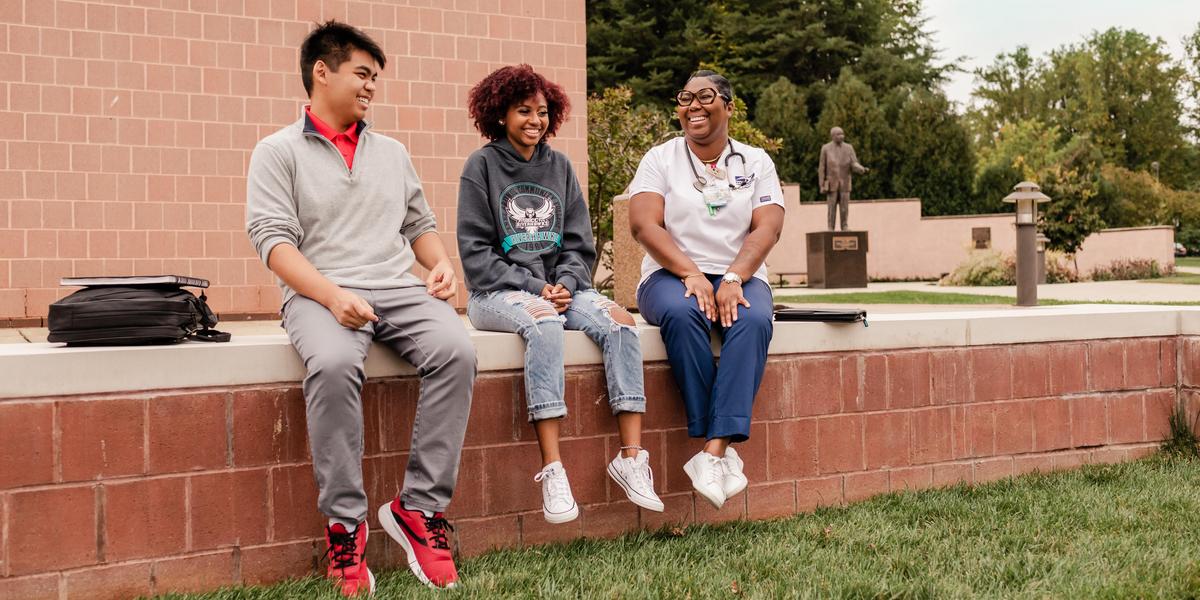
[705,96]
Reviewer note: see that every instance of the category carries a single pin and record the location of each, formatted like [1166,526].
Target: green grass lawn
[1187,261]
[898,297]
[1123,531]
[1184,278]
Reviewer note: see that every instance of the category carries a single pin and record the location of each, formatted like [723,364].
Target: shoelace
[342,550]
[437,526]
[725,468]
[717,472]
[555,481]
[640,463]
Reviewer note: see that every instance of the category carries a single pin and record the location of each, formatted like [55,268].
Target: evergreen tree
[782,113]
[936,157]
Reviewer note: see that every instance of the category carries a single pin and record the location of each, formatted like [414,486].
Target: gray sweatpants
[428,334]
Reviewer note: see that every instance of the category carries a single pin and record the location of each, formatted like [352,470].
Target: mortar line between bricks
[126,479]
[187,514]
[56,439]
[270,504]
[101,507]
[4,501]
[228,429]
[145,436]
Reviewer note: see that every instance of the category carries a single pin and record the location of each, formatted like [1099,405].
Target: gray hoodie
[523,224]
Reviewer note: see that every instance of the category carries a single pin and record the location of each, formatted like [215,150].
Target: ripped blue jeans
[518,311]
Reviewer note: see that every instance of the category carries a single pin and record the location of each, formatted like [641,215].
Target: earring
[501,121]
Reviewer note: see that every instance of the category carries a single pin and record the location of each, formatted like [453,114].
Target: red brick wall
[119,495]
[126,126]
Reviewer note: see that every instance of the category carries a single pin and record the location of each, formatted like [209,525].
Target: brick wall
[126,126]
[127,494]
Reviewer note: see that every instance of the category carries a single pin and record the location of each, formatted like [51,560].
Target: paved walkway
[1112,291]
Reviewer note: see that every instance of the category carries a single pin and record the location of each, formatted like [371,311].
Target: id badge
[715,198]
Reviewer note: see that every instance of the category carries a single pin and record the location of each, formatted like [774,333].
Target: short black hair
[333,42]
[724,88]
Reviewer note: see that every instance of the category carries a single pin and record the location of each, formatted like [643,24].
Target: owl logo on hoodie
[531,217]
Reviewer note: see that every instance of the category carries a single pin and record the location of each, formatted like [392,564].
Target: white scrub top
[712,242]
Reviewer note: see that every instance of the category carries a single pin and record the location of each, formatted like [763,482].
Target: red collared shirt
[345,141]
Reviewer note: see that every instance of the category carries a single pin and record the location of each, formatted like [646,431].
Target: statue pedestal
[837,259]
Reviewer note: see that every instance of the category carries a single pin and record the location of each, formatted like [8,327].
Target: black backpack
[119,315]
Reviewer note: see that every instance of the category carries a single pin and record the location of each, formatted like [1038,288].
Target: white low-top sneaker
[707,477]
[558,505]
[735,480]
[637,479]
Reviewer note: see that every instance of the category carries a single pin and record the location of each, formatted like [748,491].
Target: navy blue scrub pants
[717,400]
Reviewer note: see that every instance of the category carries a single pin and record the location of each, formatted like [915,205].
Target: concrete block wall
[127,493]
[126,125]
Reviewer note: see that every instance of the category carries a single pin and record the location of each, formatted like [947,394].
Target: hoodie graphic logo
[531,216]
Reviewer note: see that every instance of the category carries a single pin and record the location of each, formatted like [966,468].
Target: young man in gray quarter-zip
[337,212]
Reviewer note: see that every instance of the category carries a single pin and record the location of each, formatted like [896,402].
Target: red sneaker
[347,565]
[424,541]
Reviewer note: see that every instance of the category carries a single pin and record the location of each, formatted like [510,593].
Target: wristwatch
[731,277]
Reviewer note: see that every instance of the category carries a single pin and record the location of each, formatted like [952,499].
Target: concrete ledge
[34,370]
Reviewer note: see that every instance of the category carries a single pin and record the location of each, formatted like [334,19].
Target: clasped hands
[557,295]
[720,306]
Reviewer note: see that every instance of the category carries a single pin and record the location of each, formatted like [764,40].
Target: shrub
[989,267]
[1058,268]
[1130,268]
[985,267]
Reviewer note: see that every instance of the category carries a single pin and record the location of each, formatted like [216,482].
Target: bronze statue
[833,175]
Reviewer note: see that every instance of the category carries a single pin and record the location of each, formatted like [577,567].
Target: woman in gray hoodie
[526,245]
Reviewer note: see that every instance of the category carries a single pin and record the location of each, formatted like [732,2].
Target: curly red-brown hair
[491,98]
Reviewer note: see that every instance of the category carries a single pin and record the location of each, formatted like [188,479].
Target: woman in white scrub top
[708,209]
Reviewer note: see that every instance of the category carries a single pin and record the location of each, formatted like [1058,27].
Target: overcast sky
[981,29]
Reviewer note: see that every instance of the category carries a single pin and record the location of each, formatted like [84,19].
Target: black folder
[825,315]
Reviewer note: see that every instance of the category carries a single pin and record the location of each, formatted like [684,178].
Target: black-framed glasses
[706,96]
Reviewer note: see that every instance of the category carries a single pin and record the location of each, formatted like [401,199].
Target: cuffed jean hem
[737,429]
[407,502]
[548,411]
[633,404]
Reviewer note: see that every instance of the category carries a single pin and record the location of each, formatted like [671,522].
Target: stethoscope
[700,182]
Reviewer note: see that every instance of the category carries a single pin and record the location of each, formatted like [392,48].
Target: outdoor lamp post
[1042,240]
[1027,195]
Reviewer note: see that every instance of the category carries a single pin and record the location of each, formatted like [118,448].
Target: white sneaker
[707,477]
[735,480]
[558,505]
[637,479]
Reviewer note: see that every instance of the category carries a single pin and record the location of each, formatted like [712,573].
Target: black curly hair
[491,98]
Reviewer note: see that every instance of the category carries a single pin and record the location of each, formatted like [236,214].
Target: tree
[1009,90]
[1191,45]
[618,136]
[1002,164]
[1067,173]
[652,46]
[936,160]
[646,47]
[1122,89]
[783,113]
